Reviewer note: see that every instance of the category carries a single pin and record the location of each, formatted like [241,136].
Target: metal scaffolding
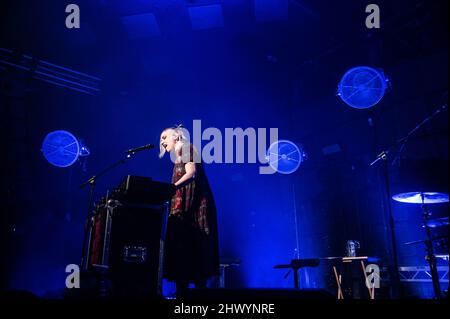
[49,72]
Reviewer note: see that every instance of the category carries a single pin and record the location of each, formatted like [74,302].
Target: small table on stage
[296,264]
[339,261]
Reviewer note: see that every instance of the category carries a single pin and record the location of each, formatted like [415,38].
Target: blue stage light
[284,156]
[62,149]
[362,87]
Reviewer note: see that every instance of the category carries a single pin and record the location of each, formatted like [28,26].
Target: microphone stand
[383,156]
[430,257]
[91,182]
[394,272]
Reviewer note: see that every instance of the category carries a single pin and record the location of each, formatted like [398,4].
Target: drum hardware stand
[431,257]
[395,276]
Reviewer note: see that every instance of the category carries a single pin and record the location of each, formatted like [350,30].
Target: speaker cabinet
[135,249]
[128,241]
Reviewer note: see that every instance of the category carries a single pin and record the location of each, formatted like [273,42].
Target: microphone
[381,156]
[140,148]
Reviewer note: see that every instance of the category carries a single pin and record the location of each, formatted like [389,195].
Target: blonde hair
[183,146]
[180,134]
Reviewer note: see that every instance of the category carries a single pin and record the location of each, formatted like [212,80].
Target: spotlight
[285,156]
[362,87]
[62,149]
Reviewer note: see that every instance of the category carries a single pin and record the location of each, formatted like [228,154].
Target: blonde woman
[191,247]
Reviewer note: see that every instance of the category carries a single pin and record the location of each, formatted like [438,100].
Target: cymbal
[438,222]
[445,257]
[421,198]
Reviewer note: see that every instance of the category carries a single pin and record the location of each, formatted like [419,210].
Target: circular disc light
[284,156]
[60,148]
[362,87]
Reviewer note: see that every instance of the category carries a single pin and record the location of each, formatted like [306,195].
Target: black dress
[191,252]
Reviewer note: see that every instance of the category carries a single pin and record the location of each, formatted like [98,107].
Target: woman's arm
[190,173]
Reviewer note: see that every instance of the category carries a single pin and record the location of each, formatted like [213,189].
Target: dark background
[267,64]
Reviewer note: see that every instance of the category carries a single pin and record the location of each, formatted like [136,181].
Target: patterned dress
[191,248]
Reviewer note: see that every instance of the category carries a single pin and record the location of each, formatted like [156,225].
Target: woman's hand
[190,173]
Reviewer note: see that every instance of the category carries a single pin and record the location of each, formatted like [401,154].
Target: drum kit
[425,199]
